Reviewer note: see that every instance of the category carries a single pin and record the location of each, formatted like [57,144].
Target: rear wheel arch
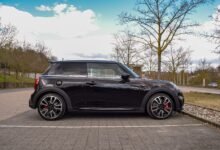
[54,91]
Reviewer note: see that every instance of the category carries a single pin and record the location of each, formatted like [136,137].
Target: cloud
[57,8]
[66,32]
[43,8]
[203,47]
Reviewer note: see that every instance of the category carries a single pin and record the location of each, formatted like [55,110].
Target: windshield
[130,71]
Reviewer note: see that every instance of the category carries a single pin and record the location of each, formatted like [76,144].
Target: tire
[160,106]
[51,106]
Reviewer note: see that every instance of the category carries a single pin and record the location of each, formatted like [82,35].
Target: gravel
[202,112]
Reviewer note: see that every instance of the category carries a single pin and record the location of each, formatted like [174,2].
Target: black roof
[85,61]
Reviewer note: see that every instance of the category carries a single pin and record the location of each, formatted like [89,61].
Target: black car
[101,86]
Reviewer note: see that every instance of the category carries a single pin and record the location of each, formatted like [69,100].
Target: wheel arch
[60,92]
[154,91]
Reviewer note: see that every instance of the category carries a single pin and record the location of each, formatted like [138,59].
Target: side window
[104,70]
[67,68]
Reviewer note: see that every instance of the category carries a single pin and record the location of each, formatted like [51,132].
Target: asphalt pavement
[24,130]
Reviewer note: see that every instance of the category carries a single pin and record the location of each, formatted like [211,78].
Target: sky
[83,29]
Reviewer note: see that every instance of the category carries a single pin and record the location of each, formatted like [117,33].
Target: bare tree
[215,35]
[161,21]
[7,35]
[177,60]
[126,48]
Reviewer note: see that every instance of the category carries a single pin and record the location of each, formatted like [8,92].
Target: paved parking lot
[102,131]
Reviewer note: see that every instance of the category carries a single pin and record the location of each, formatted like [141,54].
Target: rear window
[71,69]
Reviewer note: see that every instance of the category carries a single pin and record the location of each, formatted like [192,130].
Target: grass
[202,99]
[12,79]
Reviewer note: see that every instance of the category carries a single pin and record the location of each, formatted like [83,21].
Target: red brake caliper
[167,106]
[45,106]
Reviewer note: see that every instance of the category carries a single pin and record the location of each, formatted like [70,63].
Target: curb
[202,107]
[202,119]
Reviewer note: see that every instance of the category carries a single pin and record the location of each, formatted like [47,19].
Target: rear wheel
[160,106]
[51,107]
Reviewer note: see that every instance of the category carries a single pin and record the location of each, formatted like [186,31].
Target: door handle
[91,83]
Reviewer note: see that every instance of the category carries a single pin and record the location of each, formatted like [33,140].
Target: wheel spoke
[161,113]
[57,107]
[158,100]
[44,111]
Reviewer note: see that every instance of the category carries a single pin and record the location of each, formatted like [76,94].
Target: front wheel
[160,106]
[51,107]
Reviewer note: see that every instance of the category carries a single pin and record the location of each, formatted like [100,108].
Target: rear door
[72,77]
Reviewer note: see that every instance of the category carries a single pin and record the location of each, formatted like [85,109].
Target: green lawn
[12,79]
[203,99]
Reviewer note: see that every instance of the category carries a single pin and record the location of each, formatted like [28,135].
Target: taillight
[36,82]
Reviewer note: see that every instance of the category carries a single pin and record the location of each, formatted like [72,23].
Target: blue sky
[90,32]
[107,9]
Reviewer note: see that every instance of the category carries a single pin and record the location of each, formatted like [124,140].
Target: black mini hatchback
[101,86]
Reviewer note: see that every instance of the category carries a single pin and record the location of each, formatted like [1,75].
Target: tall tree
[160,21]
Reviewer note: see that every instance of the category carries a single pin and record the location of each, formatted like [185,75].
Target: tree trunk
[159,66]
[174,76]
[16,74]
[4,85]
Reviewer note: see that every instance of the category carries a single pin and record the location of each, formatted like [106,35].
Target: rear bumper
[32,102]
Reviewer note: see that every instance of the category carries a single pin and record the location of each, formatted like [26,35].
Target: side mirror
[125,77]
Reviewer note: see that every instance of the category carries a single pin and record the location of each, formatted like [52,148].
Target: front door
[105,89]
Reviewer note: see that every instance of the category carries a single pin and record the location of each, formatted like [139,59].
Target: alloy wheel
[51,107]
[161,106]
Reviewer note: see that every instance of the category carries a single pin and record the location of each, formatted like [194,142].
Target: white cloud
[59,8]
[69,31]
[43,8]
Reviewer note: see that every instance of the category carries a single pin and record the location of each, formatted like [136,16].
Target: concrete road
[76,131]
[201,90]
[13,102]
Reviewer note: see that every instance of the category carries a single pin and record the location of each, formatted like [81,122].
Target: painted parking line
[89,127]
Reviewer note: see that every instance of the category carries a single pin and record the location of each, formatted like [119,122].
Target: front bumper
[181,101]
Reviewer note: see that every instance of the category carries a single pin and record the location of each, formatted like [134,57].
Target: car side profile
[94,85]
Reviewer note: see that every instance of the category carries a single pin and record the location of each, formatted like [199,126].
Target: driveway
[128,131]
